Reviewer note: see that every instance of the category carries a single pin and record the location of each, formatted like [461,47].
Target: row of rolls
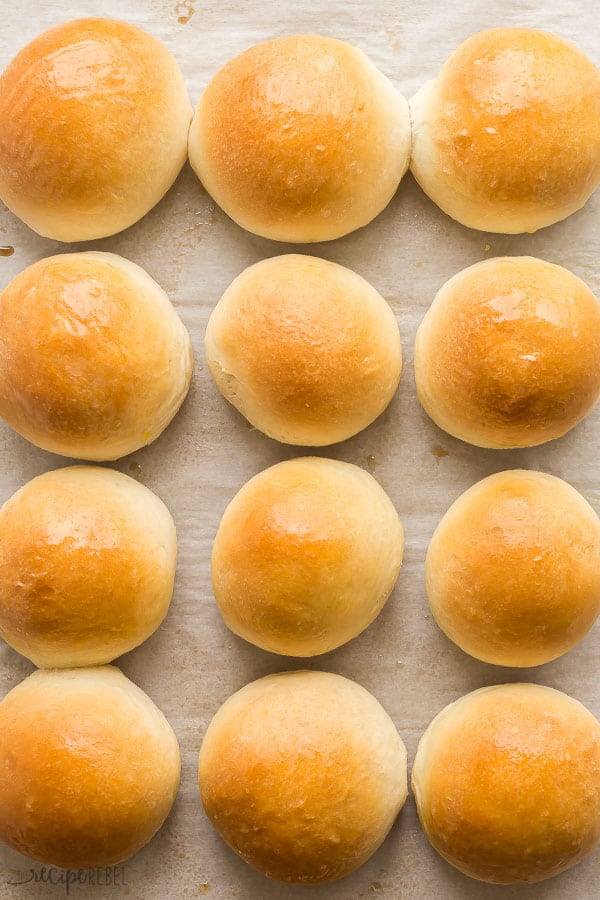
[95,362]
[304,559]
[298,139]
[303,774]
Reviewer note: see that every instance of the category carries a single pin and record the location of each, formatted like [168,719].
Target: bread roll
[89,768]
[303,774]
[507,783]
[305,349]
[513,569]
[94,119]
[508,355]
[301,139]
[87,564]
[306,555]
[506,138]
[94,361]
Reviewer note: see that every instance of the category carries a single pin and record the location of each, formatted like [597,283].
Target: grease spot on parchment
[393,37]
[184,11]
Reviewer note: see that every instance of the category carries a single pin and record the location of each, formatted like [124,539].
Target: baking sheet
[192,664]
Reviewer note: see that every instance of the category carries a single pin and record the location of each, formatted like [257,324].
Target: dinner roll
[89,768]
[303,774]
[507,783]
[513,569]
[301,139]
[305,349]
[87,564]
[94,118]
[94,361]
[508,354]
[506,138]
[306,555]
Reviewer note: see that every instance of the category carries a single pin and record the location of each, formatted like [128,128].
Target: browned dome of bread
[94,360]
[508,354]
[306,349]
[303,775]
[301,139]
[507,783]
[507,137]
[87,565]
[94,120]
[89,768]
[513,569]
[306,555]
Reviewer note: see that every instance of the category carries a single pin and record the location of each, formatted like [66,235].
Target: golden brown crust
[513,569]
[306,349]
[508,355]
[89,768]
[94,117]
[306,555]
[87,564]
[303,774]
[507,138]
[301,139]
[507,783]
[94,361]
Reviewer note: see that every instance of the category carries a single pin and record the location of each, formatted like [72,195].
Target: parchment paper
[193,250]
